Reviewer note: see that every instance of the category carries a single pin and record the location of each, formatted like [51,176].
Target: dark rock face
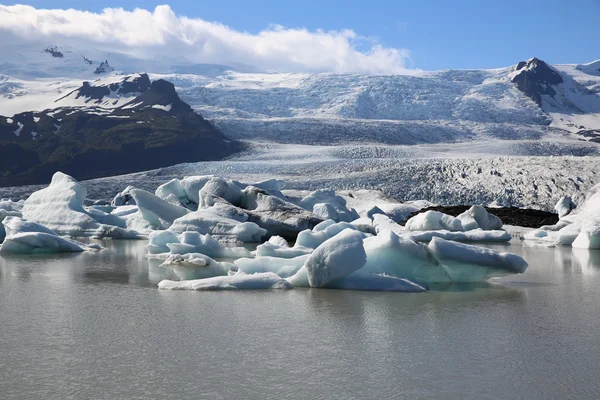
[95,94]
[536,79]
[53,51]
[162,93]
[528,218]
[103,68]
[93,142]
[87,60]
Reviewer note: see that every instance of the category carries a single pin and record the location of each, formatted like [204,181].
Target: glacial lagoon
[94,325]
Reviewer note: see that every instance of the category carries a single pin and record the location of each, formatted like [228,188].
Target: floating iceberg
[477,217]
[41,243]
[466,263]
[578,227]
[220,221]
[159,213]
[60,207]
[239,281]
[335,258]
[432,221]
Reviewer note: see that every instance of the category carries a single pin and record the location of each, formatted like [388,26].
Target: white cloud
[145,34]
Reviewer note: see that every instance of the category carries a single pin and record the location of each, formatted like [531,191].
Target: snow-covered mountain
[531,100]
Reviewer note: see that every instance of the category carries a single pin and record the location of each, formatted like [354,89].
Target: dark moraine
[525,217]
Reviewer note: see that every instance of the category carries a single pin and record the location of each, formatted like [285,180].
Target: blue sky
[440,34]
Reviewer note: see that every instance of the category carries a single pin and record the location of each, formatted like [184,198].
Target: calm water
[94,326]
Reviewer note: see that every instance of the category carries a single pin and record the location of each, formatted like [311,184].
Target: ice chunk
[174,193]
[159,213]
[41,243]
[476,235]
[59,207]
[192,186]
[123,198]
[382,222]
[158,241]
[330,197]
[239,281]
[325,211]
[466,263]
[278,241]
[313,239]
[219,188]
[335,258]
[564,206]
[432,221]
[365,225]
[271,250]
[478,217]
[194,242]
[280,266]
[277,216]
[196,266]
[391,255]
[300,278]
[16,225]
[589,236]
[208,220]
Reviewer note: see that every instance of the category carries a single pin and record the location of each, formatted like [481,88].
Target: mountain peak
[104,67]
[535,78]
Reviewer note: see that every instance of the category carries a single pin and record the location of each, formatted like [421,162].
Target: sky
[372,36]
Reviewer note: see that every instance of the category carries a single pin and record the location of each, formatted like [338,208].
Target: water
[94,326]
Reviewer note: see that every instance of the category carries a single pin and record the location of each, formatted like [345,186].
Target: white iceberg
[239,281]
[589,235]
[564,206]
[477,217]
[391,255]
[159,213]
[284,267]
[432,221]
[335,258]
[466,263]
[60,207]
[222,222]
[578,228]
[194,242]
[41,243]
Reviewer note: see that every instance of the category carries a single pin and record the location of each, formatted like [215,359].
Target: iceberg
[159,213]
[433,221]
[578,227]
[194,242]
[284,267]
[391,255]
[60,207]
[589,235]
[564,206]
[466,263]
[239,281]
[220,221]
[335,258]
[328,202]
[319,234]
[41,243]
[196,266]
[477,217]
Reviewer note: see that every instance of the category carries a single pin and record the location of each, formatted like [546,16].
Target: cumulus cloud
[147,34]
